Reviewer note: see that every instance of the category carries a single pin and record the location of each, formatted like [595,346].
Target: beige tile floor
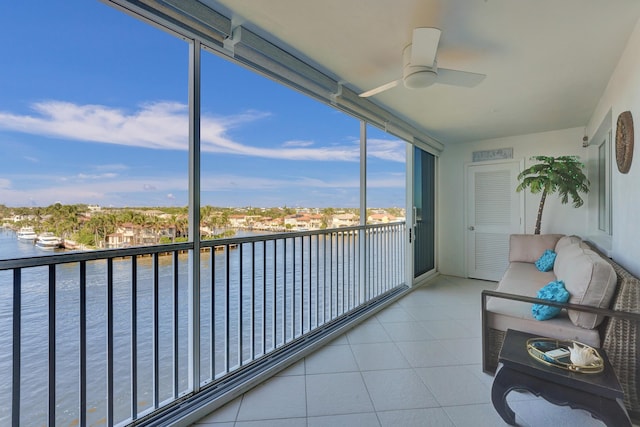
[416,363]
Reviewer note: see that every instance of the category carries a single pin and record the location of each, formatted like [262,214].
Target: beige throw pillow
[529,247]
[589,279]
[566,241]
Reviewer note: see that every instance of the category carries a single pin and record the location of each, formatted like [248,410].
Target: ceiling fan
[420,65]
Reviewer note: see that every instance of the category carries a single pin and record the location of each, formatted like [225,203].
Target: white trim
[602,238]
[436,193]
[409,217]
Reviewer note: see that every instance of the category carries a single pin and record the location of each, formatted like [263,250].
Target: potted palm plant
[555,174]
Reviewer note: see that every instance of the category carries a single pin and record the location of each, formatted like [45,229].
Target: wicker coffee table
[600,394]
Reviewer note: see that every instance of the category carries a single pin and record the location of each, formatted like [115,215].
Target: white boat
[26,234]
[48,241]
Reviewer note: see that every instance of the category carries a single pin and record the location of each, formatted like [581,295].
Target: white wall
[622,94]
[556,218]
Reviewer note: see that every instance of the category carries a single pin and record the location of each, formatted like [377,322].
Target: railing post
[110,342]
[83,345]
[17,317]
[52,346]
[134,337]
[155,328]
[175,324]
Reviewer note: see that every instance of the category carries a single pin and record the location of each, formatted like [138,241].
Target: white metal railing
[104,334]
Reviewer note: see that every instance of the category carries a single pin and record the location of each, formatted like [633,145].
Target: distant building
[237,221]
[345,220]
[381,218]
[116,240]
[18,218]
[303,221]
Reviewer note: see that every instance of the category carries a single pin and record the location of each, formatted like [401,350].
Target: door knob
[471,228]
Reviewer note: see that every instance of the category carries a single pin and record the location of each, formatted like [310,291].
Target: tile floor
[416,363]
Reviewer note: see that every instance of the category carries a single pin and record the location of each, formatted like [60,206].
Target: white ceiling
[547,62]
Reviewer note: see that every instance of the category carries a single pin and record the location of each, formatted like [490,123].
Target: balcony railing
[107,337]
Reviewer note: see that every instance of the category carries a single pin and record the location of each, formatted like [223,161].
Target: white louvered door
[493,213]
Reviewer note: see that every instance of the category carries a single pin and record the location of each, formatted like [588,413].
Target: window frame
[604,183]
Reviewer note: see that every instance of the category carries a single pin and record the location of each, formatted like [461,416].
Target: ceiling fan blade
[424,46]
[379,89]
[459,78]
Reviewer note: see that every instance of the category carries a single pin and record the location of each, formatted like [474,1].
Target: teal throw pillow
[545,262]
[554,291]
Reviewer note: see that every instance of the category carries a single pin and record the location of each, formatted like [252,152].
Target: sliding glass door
[423,215]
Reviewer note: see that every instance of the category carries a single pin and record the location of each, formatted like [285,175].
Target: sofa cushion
[589,279]
[546,260]
[523,278]
[519,318]
[529,247]
[554,291]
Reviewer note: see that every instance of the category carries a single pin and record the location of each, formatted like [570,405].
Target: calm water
[34,318]
[34,346]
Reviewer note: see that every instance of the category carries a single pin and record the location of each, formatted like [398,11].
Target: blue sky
[93,109]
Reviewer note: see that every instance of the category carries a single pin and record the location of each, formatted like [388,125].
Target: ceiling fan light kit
[417,76]
[420,65]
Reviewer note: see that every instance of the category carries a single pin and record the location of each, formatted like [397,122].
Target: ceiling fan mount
[420,65]
[417,76]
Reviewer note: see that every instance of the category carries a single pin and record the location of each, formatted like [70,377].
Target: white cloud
[157,125]
[121,191]
[385,149]
[163,125]
[84,176]
[112,167]
[297,143]
[387,180]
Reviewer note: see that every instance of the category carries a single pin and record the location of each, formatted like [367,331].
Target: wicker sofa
[616,324]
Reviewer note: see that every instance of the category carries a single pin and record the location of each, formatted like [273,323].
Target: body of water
[280,291]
